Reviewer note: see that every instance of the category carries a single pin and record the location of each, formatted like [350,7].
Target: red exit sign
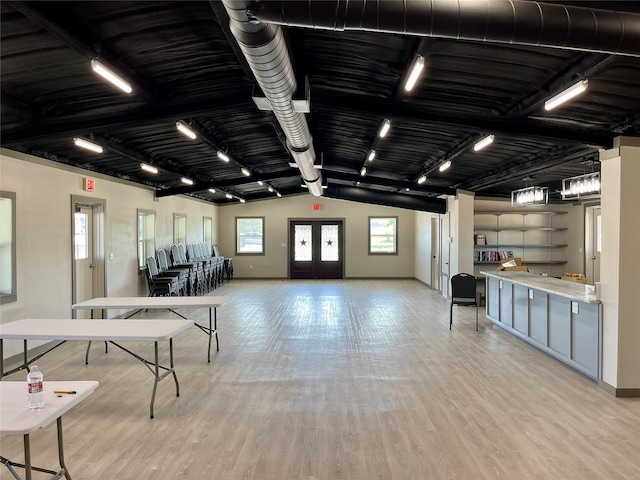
[316,207]
[89,184]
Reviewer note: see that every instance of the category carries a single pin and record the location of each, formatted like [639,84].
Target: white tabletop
[151,302]
[75,329]
[17,419]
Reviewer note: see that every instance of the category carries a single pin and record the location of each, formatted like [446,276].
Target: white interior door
[83,256]
[88,252]
[593,236]
[435,254]
[444,254]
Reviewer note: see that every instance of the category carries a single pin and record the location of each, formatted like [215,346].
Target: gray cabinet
[568,330]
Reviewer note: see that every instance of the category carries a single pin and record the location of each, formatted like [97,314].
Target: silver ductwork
[266,52]
[520,22]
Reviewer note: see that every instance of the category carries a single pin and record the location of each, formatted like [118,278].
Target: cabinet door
[493,298]
[585,334]
[521,309]
[506,304]
[538,317]
[560,325]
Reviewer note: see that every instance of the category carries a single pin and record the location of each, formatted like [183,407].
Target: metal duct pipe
[520,22]
[266,52]
[363,195]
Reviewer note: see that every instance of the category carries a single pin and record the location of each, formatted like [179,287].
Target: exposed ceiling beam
[199,187]
[523,167]
[160,112]
[386,182]
[362,104]
[68,30]
[16,106]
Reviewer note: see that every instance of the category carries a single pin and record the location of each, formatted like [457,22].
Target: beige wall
[43,231]
[278,212]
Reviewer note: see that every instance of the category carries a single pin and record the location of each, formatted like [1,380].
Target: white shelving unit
[539,238]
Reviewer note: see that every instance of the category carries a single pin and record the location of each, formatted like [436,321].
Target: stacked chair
[162,285]
[183,273]
[179,259]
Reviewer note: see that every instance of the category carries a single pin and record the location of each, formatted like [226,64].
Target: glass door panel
[329,243]
[303,251]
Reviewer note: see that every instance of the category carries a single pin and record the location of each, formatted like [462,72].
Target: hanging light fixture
[566,95]
[86,144]
[530,196]
[581,187]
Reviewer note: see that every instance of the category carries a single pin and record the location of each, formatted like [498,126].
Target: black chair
[463,292]
[159,285]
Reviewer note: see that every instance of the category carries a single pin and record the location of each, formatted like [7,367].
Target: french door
[315,249]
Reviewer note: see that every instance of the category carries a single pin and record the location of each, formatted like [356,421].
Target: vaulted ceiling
[350,61]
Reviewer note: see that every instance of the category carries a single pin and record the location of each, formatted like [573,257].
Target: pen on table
[70,392]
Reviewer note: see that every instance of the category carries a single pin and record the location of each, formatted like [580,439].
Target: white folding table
[139,303]
[17,419]
[110,330]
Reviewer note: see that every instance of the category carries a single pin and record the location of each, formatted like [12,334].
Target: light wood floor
[340,380]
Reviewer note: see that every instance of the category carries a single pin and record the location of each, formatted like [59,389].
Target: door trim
[311,220]
[99,206]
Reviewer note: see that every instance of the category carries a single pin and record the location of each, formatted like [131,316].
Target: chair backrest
[181,253]
[163,262]
[463,287]
[190,254]
[152,268]
[216,251]
[207,249]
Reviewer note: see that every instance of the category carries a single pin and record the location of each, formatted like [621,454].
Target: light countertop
[555,286]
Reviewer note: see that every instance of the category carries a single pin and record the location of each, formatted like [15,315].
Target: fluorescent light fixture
[444,166]
[357,183]
[186,180]
[278,194]
[148,168]
[418,66]
[245,172]
[185,130]
[108,75]
[324,187]
[82,143]
[270,189]
[363,171]
[566,95]
[260,182]
[407,189]
[293,165]
[228,195]
[484,142]
[304,185]
[422,179]
[384,129]
[242,200]
[223,156]
[212,190]
[372,155]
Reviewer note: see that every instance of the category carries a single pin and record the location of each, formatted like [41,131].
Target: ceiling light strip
[185,130]
[566,95]
[111,77]
[86,144]
[418,66]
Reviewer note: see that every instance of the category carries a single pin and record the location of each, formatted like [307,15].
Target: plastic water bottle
[35,380]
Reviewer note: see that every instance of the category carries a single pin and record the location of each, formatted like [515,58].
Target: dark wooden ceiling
[184,65]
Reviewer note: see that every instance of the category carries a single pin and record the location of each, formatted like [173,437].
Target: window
[146,236]
[207,230]
[249,235]
[80,236]
[383,235]
[180,228]
[8,288]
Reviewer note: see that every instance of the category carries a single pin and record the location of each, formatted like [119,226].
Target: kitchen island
[559,317]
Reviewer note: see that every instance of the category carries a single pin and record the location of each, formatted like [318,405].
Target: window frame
[207,236]
[237,236]
[12,296]
[142,261]
[395,235]
[178,218]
